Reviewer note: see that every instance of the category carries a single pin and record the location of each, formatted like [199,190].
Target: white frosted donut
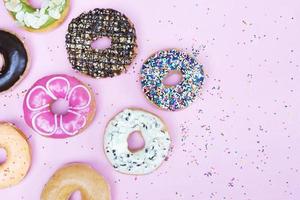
[76,177]
[155,135]
[18,157]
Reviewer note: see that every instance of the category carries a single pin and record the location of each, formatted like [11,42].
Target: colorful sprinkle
[157,67]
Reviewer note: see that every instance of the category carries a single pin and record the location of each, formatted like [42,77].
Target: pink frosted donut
[38,112]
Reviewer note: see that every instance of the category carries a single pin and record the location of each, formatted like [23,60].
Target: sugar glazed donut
[155,135]
[74,177]
[46,91]
[18,158]
[14,58]
[157,67]
[50,15]
[98,23]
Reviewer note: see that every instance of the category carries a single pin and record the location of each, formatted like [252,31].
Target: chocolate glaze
[97,23]
[15,60]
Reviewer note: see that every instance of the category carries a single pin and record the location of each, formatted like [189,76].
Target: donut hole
[2,62]
[135,141]
[60,106]
[36,3]
[174,77]
[101,43]
[3,156]
[76,195]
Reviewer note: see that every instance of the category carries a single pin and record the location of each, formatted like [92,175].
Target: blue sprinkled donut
[157,67]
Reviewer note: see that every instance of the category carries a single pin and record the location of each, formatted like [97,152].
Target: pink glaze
[38,100]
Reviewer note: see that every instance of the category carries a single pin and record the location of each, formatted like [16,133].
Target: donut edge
[92,114]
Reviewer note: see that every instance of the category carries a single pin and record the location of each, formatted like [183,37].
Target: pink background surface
[239,140]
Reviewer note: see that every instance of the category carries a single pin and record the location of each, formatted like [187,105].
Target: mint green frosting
[26,15]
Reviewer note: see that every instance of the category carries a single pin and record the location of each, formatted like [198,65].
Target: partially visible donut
[90,26]
[14,59]
[50,15]
[76,177]
[18,157]
[155,135]
[39,115]
[157,67]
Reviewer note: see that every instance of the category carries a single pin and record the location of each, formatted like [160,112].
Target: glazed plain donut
[90,26]
[156,68]
[154,132]
[74,177]
[15,59]
[18,158]
[46,91]
[50,15]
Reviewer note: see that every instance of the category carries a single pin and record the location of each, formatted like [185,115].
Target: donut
[99,23]
[50,15]
[76,177]
[18,157]
[154,133]
[158,66]
[14,59]
[38,112]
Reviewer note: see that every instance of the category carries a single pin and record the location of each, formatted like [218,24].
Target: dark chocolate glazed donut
[15,60]
[101,63]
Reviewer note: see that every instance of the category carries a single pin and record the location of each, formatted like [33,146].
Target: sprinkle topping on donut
[156,68]
[88,27]
[154,132]
[18,160]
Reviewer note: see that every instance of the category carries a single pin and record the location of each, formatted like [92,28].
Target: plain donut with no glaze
[76,177]
[18,158]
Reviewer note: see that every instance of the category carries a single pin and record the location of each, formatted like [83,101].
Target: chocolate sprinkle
[155,134]
[88,27]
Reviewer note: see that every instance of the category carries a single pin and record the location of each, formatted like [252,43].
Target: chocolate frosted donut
[98,23]
[15,60]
